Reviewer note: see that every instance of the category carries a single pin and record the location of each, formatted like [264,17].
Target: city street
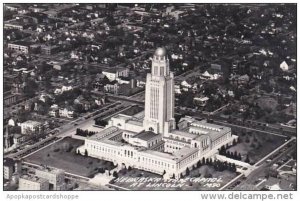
[69,129]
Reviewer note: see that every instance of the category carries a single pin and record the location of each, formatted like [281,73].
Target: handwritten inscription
[149,182]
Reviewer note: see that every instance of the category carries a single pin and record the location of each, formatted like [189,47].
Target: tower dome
[160,52]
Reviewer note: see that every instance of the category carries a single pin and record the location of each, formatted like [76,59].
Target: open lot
[63,155]
[256,146]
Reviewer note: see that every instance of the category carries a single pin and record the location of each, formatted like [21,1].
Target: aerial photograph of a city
[149,97]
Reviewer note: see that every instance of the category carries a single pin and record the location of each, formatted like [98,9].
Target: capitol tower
[159,97]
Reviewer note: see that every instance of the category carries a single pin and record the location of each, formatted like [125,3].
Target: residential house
[53,111]
[61,65]
[112,87]
[19,46]
[100,101]
[200,101]
[185,85]
[27,182]
[177,89]
[10,166]
[18,138]
[207,76]
[114,73]
[30,126]
[67,112]
[49,49]
[140,82]
[63,89]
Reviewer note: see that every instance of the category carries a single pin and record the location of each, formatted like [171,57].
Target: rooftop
[160,52]
[208,126]
[34,123]
[145,135]
[176,156]
[183,133]
[114,70]
[108,132]
[136,122]
[160,154]
[51,170]
[21,43]
[184,151]
[34,179]
[122,117]
[140,115]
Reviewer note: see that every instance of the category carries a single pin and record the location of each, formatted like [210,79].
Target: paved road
[68,129]
[248,128]
[258,163]
[259,172]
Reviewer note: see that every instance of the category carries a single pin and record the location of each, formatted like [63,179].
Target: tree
[203,161]
[225,166]
[30,88]
[247,139]
[198,164]
[101,170]
[222,150]
[247,160]
[15,129]
[233,167]
[239,157]
[235,155]
[115,174]
[78,108]
[187,172]
[101,122]
[216,165]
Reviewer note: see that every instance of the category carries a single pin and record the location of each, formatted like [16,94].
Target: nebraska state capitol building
[149,140]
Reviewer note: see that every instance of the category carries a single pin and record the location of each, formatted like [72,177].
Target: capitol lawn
[63,155]
[256,145]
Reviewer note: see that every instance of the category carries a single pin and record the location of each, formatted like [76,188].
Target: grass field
[63,155]
[256,145]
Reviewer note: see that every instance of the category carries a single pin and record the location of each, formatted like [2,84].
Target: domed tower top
[160,53]
[160,63]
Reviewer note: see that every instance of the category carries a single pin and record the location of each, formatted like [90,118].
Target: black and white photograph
[142,96]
